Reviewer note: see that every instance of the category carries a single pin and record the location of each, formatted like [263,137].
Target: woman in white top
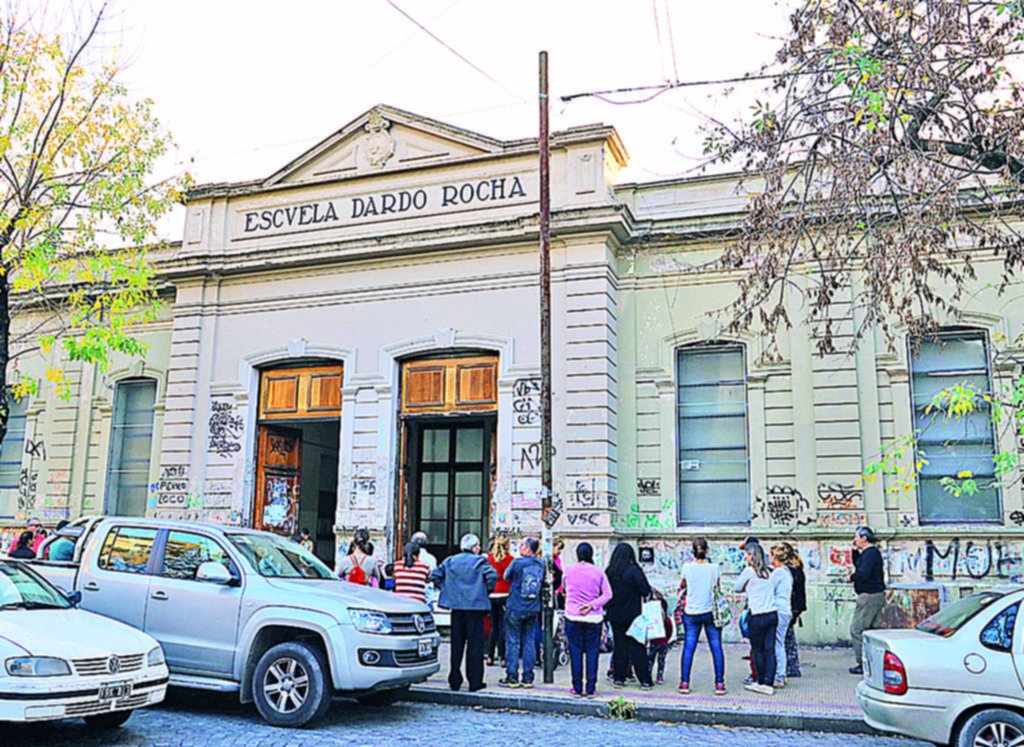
[755,580]
[782,582]
[699,580]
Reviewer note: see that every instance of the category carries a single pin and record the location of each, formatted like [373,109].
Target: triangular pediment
[384,139]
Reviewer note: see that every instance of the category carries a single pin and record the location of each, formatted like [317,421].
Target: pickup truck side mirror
[75,597]
[214,573]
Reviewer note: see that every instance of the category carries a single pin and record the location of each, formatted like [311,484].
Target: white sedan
[955,679]
[59,662]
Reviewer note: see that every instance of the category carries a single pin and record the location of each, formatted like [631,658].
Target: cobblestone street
[189,719]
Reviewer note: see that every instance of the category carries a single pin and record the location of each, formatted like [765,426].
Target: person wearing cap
[465,580]
[868,578]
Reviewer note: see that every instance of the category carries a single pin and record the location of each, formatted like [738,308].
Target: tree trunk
[5,337]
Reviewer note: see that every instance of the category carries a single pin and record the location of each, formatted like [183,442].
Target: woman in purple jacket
[587,591]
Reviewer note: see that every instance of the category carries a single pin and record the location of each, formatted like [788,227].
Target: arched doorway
[449,425]
[298,438]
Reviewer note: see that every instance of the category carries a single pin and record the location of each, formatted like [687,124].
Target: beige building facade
[353,342]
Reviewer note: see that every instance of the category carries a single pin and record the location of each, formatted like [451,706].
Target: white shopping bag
[649,624]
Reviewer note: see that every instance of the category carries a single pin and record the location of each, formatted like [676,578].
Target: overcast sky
[246,85]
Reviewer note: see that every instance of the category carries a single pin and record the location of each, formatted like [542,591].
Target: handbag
[720,609]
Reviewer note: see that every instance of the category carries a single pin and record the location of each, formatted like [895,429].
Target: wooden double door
[450,476]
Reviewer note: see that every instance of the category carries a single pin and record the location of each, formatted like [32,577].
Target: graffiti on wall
[225,429]
[526,401]
[783,506]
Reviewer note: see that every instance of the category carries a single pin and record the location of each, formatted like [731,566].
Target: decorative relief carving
[378,145]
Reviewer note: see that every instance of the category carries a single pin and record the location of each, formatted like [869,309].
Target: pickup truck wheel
[995,727]
[291,685]
[107,720]
[383,698]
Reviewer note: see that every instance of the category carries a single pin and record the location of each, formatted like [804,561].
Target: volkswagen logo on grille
[114,665]
[419,622]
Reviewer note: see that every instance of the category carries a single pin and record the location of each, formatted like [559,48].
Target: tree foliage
[883,161]
[76,158]
[886,155]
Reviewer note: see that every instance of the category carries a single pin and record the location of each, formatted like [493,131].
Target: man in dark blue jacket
[868,577]
[465,580]
[522,610]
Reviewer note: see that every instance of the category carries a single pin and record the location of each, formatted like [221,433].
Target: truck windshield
[952,617]
[21,588]
[275,557]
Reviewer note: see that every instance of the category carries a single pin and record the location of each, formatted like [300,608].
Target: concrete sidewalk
[823,699]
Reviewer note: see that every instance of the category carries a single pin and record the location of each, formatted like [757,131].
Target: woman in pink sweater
[587,591]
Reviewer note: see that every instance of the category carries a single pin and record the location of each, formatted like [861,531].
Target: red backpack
[356,575]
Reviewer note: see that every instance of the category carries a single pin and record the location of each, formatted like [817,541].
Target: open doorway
[297,453]
[448,456]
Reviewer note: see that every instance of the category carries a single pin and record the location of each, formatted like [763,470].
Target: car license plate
[115,691]
[426,647]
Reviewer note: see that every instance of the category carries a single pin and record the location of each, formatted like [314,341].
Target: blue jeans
[584,641]
[693,624]
[520,640]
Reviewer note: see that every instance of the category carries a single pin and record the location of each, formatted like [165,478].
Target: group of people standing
[506,591]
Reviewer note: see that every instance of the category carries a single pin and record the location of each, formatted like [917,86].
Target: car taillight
[894,675]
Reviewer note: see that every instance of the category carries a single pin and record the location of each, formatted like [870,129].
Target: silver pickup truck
[250,612]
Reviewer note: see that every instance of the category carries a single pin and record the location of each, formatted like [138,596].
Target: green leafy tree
[77,156]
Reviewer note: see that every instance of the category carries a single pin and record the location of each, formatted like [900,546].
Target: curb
[794,720]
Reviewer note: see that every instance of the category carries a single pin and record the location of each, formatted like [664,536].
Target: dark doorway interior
[298,473]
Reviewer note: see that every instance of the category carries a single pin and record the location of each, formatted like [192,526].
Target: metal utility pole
[547,483]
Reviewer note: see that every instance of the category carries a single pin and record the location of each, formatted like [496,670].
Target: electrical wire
[455,52]
[671,40]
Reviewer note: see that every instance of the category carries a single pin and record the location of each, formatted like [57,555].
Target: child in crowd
[657,648]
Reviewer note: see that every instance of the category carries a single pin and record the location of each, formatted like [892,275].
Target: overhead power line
[660,88]
[454,51]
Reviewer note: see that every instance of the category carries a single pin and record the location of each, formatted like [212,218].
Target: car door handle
[92,586]
[161,595]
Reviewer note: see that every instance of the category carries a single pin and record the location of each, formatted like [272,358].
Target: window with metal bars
[713,456]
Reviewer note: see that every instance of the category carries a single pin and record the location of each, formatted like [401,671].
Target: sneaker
[575,694]
[720,689]
[526,685]
[766,690]
[647,686]
[509,682]
[684,688]
[748,680]
[791,675]
[618,685]
[753,687]
[590,696]
[857,669]
[661,680]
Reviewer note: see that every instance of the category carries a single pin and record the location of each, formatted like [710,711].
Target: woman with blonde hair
[500,559]
[799,604]
[782,586]
[756,581]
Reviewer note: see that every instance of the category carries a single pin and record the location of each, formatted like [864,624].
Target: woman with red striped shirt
[411,574]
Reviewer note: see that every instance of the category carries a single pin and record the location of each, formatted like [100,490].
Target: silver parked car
[955,679]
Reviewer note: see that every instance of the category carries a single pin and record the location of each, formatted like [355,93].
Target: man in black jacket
[868,579]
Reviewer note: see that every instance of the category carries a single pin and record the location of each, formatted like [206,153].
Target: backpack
[531,582]
[356,575]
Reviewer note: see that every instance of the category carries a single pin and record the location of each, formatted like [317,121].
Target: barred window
[131,444]
[714,458]
[953,446]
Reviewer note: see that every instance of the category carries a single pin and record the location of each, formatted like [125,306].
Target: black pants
[467,634]
[496,641]
[627,654]
[762,646]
